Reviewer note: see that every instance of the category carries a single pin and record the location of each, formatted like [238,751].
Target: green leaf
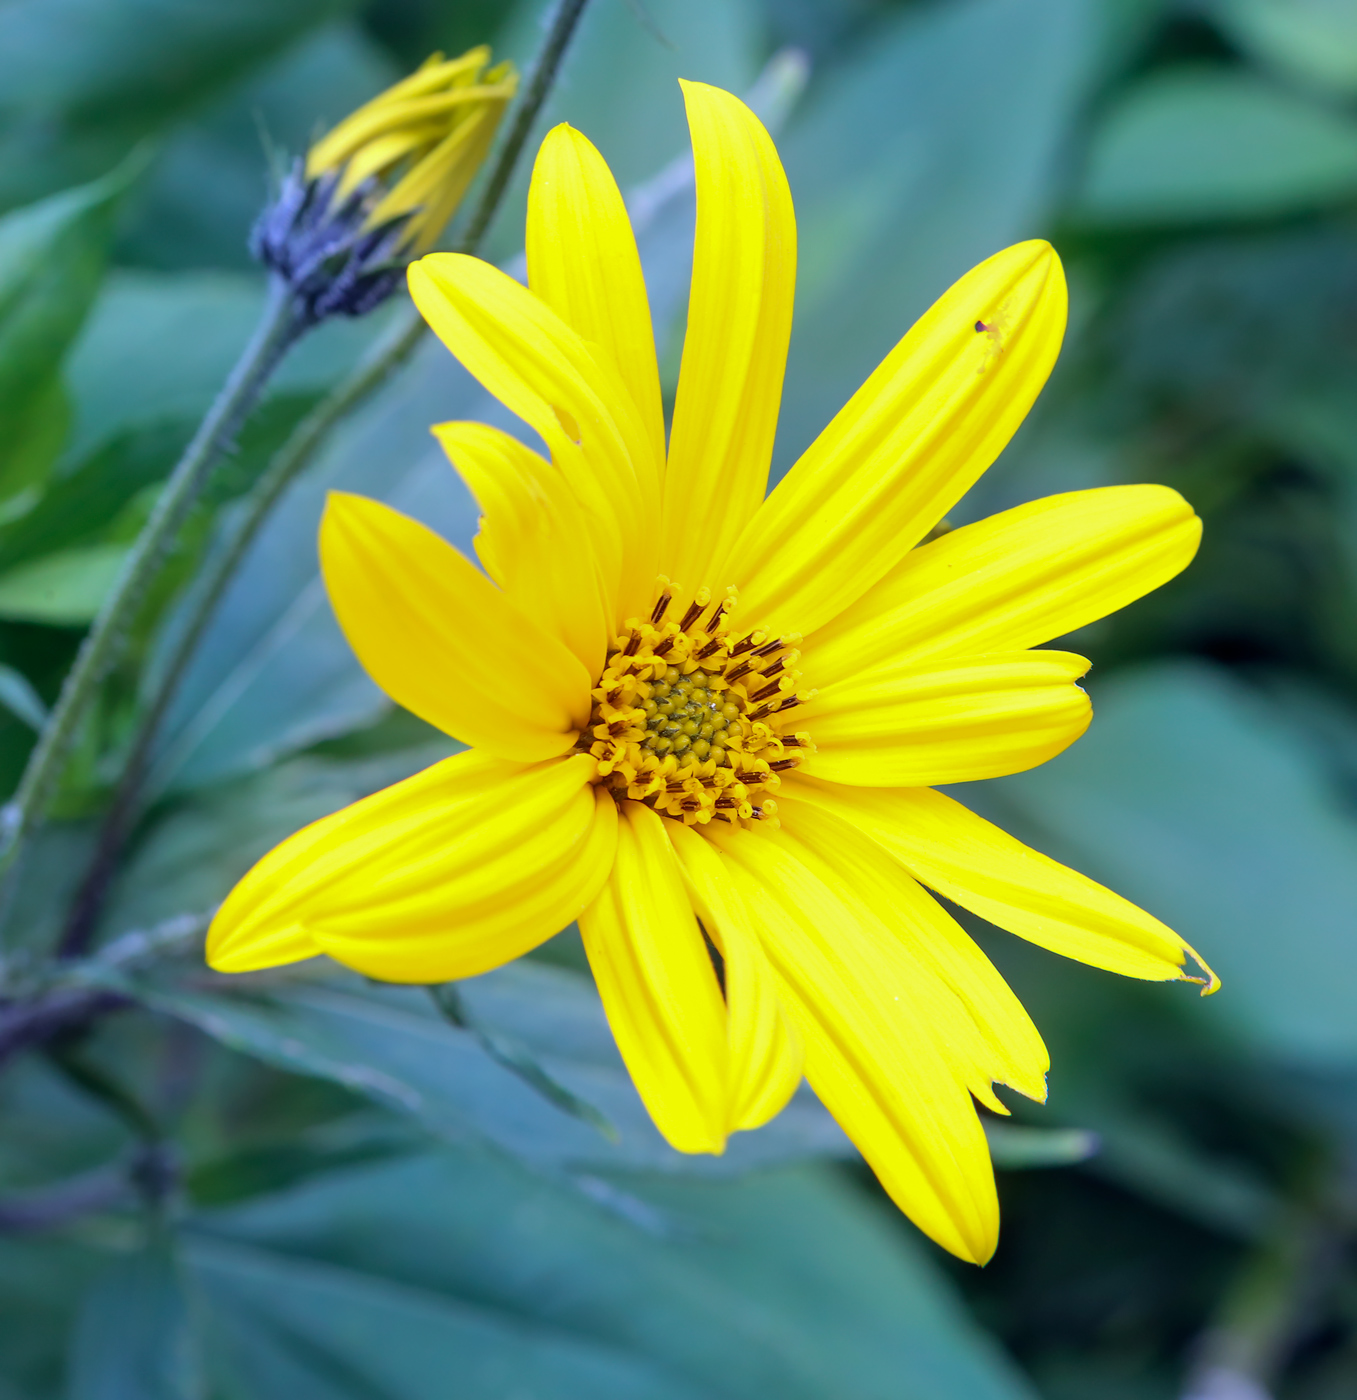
[65,589]
[151,358]
[41,1283]
[619,82]
[1016,1147]
[390,1044]
[81,81]
[1314,41]
[287,1329]
[206,189]
[52,258]
[1192,796]
[20,699]
[133,1336]
[274,672]
[158,346]
[1196,144]
[789,1284]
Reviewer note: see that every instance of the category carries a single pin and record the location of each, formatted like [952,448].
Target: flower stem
[544,69]
[275,333]
[295,454]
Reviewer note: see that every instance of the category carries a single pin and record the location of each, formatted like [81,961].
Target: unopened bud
[380,187]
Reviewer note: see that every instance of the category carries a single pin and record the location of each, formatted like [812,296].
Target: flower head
[696,711]
[382,185]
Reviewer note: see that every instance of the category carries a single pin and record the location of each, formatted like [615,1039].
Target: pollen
[693,718]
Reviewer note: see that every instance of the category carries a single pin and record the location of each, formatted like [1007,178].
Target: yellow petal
[875,1052]
[540,369]
[582,261]
[1013,1052]
[533,539]
[934,414]
[983,869]
[893,922]
[360,126]
[434,186]
[765,1047]
[735,349]
[442,640]
[947,721]
[1015,580]
[659,987]
[444,875]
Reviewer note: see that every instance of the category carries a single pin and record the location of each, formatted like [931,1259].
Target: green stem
[275,333]
[544,70]
[295,454]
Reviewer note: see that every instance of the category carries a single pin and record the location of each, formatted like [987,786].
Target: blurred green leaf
[52,258]
[1016,1147]
[148,363]
[41,1282]
[158,346]
[788,1284]
[19,698]
[134,1336]
[65,589]
[287,1329]
[1193,144]
[1191,796]
[1151,1157]
[81,81]
[1312,40]
[209,182]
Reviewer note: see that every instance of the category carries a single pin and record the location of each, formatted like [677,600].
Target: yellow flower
[752,747]
[429,133]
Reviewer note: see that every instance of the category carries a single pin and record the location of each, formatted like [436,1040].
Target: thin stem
[295,454]
[276,331]
[544,69]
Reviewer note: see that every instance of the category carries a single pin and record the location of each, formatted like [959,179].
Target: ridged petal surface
[447,874]
[1015,580]
[543,370]
[876,1029]
[442,640]
[582,261]
[951,720]
[1012,1051]
[659,987]
[534,540]
[983,869]
[735,347]
[765,1048]
[905,448]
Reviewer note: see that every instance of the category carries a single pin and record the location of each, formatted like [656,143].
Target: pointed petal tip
[244,946]
[694,91]
[1210,983]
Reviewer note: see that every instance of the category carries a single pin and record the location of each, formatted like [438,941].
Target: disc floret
[689,716]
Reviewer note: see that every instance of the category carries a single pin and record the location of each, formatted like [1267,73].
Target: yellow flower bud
[422,142]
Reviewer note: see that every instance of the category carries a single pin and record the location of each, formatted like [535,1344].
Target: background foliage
[310,1187]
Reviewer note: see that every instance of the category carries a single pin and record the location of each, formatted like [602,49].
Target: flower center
[689,718]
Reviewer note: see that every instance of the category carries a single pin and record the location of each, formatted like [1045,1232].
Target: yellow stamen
[686,718]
